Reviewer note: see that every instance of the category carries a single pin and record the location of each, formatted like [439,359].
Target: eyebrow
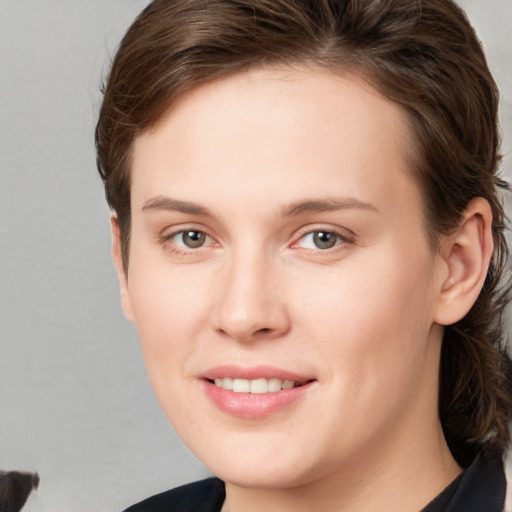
[167,203]
[326,205]
[291,210]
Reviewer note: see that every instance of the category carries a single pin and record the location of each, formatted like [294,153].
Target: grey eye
[324,239]
[193,239]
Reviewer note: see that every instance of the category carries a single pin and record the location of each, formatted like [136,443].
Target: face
[281,279]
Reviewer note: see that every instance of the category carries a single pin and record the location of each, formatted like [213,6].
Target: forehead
[275,127]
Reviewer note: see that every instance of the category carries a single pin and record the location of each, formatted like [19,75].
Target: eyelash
[167,240]
[341,241]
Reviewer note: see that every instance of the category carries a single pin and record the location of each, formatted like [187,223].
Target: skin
[259,162]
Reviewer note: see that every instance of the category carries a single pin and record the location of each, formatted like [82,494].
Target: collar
[481,488]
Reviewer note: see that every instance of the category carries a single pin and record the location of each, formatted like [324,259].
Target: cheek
[168,307]
[166,315]
[374,316]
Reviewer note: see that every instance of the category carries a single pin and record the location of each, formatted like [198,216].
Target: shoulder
[203,496]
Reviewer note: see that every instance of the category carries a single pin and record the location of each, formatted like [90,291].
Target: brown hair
[421,54]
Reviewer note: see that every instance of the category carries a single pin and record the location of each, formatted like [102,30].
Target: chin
[261,467]
[266,477]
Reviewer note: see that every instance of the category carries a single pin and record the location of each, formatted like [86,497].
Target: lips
[254,392]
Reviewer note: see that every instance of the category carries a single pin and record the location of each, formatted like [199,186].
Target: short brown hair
[421,54]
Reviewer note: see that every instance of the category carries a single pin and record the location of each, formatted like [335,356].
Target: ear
[117,254]
[466,255]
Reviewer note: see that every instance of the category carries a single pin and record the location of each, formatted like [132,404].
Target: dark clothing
[203,496]
[481,488]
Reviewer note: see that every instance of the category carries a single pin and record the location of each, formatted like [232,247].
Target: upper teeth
[254,386]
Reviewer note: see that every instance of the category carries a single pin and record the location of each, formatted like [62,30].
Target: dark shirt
[203,496]
[481,488]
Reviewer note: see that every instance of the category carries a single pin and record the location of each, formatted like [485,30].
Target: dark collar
[203,496]
[481,488]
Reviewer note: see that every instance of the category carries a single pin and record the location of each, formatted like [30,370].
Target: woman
[309,239]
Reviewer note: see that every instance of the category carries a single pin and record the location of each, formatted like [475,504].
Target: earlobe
[466,255]
[117,254]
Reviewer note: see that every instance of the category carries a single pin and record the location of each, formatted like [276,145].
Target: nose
[251,302]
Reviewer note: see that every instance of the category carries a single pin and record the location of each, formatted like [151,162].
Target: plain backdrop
[75,403]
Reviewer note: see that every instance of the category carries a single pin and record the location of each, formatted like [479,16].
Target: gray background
[75,403]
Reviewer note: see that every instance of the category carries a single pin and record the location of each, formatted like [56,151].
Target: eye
[321,239]
[190,239]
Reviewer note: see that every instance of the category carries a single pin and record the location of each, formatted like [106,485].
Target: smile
[256,386]
[255,392]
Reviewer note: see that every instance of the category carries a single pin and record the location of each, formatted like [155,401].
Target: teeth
[274,385]
[256,386]
[241,386]
[259,386]
[224,383]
